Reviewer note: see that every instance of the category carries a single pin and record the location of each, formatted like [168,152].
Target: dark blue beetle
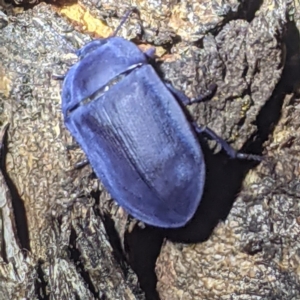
[135,134]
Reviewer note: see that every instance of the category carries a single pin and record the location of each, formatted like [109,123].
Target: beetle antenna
[124,19]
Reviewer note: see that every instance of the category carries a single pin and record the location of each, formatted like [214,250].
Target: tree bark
[63,237]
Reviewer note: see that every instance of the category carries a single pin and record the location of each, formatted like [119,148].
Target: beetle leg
[228,149]
[185,100]
[125,18]
[206,95]
[81,164]
[58,77]
[72,146]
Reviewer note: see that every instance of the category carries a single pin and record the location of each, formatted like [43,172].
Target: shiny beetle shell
[134,133]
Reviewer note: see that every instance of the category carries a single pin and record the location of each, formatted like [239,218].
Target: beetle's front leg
[228,149]
[186,100]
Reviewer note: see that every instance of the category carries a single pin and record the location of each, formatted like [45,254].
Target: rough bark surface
[63,237]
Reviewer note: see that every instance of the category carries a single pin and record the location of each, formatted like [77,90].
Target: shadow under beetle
[135,134]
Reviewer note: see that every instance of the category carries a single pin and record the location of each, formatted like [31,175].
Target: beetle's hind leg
[186,100]
[228,149]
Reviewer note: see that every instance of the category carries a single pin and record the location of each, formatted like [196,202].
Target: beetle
[135,134]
